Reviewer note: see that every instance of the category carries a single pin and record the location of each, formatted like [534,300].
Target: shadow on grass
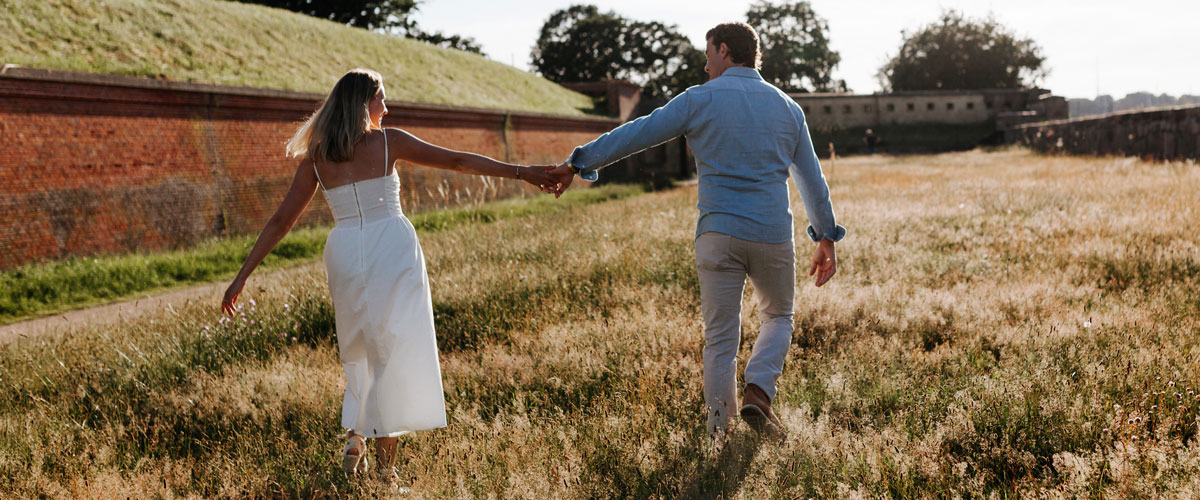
[493,317]
[692,472]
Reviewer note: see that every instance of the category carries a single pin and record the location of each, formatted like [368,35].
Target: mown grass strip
[44,289]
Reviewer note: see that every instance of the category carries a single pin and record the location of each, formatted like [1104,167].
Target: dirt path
[119,311]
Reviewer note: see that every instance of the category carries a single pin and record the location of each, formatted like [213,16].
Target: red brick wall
[92,164]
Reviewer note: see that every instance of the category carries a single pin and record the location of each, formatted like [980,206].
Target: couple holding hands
[747,137]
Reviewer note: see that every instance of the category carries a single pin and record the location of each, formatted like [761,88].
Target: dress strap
[318,174]
[385,151]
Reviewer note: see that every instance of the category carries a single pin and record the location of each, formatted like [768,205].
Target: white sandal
[354,463]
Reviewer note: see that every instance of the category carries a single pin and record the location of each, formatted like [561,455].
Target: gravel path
[115,312]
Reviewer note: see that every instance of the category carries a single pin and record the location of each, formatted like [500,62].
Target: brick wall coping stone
[88,88]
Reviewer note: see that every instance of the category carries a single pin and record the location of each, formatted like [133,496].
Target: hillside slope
[214,41]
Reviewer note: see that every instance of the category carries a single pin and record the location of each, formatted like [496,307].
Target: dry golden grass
[1001,324]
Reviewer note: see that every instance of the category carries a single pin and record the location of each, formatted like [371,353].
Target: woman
[376,271]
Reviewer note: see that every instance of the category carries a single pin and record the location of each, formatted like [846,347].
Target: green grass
[974,344]
[229,43]
[43,289]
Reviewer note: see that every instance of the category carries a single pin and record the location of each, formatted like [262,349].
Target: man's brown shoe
[756,411]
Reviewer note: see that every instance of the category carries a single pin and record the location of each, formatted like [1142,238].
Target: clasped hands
[553,179]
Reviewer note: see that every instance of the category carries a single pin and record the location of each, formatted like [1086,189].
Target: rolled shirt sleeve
[814,191]
[662,125]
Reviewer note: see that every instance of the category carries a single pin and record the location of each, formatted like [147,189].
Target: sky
[1091,48]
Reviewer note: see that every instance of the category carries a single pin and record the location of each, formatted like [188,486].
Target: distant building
[1005,107]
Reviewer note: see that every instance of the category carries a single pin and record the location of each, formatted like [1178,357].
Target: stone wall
[96,164]
[833,111]
[1159,134]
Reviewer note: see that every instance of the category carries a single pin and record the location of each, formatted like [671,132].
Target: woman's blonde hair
[342,120]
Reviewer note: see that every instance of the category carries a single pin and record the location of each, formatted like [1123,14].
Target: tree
[366,14]
[582,44]
[958,53]
[458,42]
[794,47]
[390,16]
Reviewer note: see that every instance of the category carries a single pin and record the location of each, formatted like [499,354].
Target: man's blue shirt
[746,135]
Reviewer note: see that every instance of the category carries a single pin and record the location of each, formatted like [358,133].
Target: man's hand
[538,175]
[824,262]
[563,177]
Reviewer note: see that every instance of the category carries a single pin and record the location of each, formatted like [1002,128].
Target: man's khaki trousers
[723,263]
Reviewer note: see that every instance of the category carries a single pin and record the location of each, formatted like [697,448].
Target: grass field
[43,289]
[230,43]
[1002,324]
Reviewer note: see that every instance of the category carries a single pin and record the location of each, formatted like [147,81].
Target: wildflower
[1154,407]
[1137,419]
[1178,396]
[253,303]
[223,320]
[293,339]
[286,305]
[1171,384]
[1087,324]
[296,325]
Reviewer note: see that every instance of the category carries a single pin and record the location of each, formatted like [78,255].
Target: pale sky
[1091,48]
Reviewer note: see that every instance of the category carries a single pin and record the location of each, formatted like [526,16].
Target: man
[871,141]
[746,135]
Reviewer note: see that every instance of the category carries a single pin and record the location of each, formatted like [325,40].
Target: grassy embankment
[230,43]
[1001,323]
[44,289]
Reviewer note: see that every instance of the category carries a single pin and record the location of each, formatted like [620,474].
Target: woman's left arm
[406,146]
[304,185]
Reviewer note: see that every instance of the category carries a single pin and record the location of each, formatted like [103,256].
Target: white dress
[382,311]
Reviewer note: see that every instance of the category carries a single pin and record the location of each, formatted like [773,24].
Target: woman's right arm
[304,186]
[406,146]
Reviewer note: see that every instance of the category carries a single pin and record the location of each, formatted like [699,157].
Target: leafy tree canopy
[581,44]
[958,53]
[794,47]
[366,14]
[390,16]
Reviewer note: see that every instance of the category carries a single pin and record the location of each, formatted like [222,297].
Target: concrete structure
[621,97]
[105,164]
[1159,134]
[828,111]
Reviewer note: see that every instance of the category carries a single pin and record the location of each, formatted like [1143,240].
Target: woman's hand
[231,296]
[538,175]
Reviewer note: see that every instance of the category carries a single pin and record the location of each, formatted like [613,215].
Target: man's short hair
[741,39]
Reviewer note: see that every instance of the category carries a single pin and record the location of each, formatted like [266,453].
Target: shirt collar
[743,72]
